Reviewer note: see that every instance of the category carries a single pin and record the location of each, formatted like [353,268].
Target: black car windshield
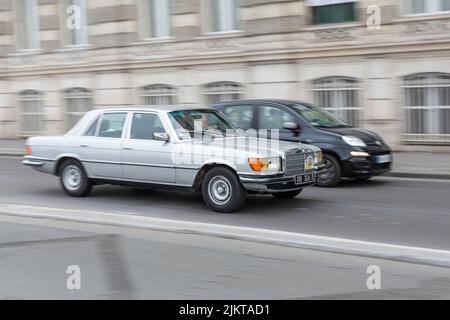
[318,117]
[187,123]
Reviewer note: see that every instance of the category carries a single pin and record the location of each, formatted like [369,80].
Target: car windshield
[189,122]
[318,117]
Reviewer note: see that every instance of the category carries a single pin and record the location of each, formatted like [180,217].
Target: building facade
[383,65]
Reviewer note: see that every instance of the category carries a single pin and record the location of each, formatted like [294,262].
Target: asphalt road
[121,263]
[396,211]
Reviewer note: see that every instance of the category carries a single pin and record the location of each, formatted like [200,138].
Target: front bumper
[274,183]
[356,167]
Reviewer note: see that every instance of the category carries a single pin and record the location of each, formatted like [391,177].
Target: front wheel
[331,174]
[73,178]
[287,194]
[222,190]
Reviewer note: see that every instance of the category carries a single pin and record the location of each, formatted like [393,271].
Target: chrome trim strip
[140,164]
[141,181]
[32,163]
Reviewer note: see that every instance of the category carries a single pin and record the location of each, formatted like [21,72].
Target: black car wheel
[222,190]
[287,194]
[330,176]
[73,178]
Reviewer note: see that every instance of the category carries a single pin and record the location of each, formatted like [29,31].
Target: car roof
[157,108]
[278,101]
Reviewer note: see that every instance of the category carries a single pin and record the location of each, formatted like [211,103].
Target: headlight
[318,157]
[353,141]
[265,165]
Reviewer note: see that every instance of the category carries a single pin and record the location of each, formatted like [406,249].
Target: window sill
[221,34]
[156,40]
[423,16]
[325,26]
[26,52]
[74,47]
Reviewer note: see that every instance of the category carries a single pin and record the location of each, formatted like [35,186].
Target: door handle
[84,145]
[308,141]
[127,148]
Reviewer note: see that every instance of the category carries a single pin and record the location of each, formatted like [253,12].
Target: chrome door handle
[84,145]
[308,141]
[127,148]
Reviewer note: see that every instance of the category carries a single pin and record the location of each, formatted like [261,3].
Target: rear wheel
[222,190]
[287,194]
[73,178]
[331,174]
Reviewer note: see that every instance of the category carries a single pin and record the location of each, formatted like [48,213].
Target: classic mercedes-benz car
[196,149]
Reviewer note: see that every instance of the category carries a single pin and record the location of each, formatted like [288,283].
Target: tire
[332,175]
[222,190]
[287,194]
[73,179]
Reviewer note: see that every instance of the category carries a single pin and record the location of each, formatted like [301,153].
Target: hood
[367,136]
[260,146]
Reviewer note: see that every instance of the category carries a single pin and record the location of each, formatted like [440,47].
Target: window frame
[430,121]
[206,93]
[39,99]
[252,108]
[148,19]
[99,124]
[78,90]
[132,114]
[258,112]
[335,88]
[83,33]
[173,94]
[354,13]
[432,7]
[208,17]
[29,43]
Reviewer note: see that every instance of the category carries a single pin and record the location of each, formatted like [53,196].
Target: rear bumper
[40,164]
[273,184]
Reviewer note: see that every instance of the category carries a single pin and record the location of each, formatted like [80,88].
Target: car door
[274,117]
[145,159]
[101,147]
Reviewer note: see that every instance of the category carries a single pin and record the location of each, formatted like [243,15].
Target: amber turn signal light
[28,151]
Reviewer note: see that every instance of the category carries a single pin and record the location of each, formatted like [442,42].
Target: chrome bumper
[273,184]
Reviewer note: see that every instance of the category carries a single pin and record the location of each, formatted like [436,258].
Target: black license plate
[305,178]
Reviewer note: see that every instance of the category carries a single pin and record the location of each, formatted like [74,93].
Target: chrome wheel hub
[219,190]
[72,177]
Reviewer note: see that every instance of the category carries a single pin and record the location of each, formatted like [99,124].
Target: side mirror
[161,136]
[291,126]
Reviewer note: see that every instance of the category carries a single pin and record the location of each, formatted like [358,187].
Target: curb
[402,253]
[417,175]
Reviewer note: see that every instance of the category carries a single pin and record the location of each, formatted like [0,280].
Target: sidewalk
[406,164]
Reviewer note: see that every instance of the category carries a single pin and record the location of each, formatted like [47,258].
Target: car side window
[241,116]
[92,130]
[145,125]
[112,125]
[273,117]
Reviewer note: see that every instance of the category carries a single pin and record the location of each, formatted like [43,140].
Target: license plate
[305,178]
[383,159]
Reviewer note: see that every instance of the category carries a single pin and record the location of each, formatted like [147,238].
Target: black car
[348,152]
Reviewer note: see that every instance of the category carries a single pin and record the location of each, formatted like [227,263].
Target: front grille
[294,163]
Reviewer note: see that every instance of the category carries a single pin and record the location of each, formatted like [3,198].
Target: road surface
[398,211]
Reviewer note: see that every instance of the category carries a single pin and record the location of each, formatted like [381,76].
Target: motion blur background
[393,79]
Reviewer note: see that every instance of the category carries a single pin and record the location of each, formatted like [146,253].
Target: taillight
[28,151]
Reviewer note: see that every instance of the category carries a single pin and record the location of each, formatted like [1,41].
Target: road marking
[436,257]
